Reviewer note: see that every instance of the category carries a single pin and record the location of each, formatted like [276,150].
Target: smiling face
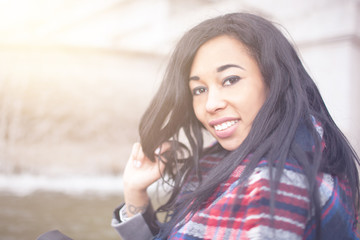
[228,89]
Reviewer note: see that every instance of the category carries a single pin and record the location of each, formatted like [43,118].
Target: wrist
[136,202]
[133,186]
[132,210]
[130,190]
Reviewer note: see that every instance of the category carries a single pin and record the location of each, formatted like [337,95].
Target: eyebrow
[196,78]
[219,69]
[226,66]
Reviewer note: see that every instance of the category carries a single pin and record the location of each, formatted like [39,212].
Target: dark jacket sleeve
[53,235]
[141,226]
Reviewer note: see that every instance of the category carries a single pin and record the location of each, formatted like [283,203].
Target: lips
[224,127]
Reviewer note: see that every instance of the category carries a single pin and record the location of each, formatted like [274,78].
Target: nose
[215,101]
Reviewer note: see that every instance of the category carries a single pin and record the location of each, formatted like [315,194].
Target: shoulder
[293,201]
[291,177]
[294,181]
[338,215]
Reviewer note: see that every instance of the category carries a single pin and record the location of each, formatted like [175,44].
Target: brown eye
[198,90]
[230,80]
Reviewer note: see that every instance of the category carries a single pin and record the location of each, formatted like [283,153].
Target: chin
[229,146]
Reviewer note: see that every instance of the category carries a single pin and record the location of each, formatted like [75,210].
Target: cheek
[255,107]
[249,105]
[199,110]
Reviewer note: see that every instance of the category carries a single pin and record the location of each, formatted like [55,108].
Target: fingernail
[137,164]
[157,151]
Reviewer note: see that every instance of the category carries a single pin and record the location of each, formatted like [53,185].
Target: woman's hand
[140,172]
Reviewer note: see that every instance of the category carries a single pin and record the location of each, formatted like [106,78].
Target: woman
[280,167]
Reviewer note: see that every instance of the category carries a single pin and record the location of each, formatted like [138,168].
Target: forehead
[219,51]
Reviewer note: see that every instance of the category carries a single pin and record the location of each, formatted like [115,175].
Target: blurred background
[76,75]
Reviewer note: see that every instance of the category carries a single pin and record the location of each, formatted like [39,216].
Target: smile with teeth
[225,125]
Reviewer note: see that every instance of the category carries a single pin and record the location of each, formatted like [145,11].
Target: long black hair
[293,99]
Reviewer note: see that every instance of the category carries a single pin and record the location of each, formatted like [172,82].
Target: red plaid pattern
[237,211]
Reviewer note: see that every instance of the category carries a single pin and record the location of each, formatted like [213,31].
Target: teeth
[225,125]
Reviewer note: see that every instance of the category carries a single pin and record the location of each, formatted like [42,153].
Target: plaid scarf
[238,210]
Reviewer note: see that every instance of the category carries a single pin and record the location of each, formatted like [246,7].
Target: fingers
[137,155]
[163,148]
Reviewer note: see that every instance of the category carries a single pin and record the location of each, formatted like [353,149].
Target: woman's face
[228,89]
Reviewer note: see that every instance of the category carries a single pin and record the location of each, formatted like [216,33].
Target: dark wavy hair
[293,99]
